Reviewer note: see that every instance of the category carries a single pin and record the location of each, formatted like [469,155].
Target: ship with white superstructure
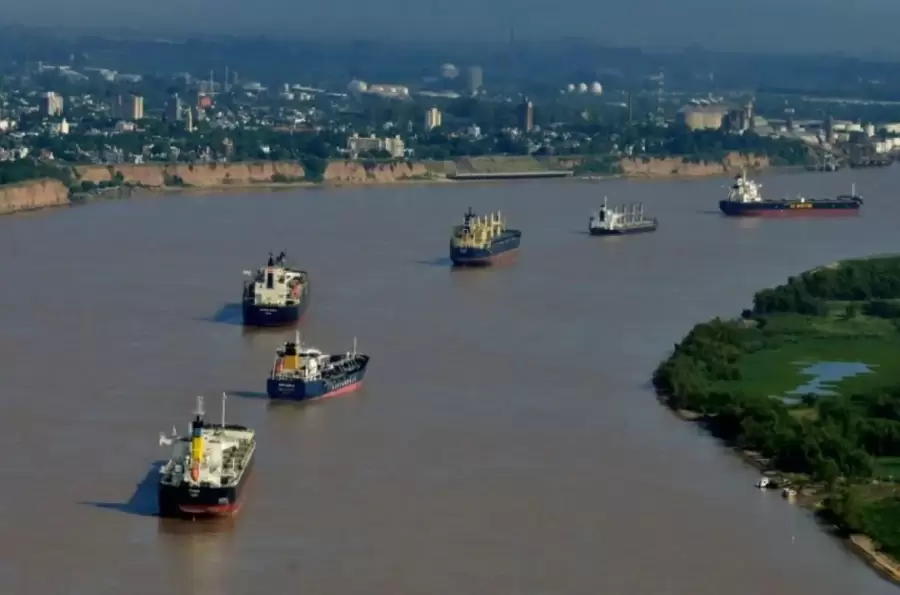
[302,372]
[622,220]
[745,200]
[276,294]
[208,470]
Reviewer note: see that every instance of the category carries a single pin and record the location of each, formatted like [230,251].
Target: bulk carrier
[621,221]
[482,241]
[208,470]
[744,200]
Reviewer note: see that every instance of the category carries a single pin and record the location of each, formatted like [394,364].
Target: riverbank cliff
[32,195]
[100,181]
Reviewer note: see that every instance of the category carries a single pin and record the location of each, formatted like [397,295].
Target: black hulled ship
[277,295]
[208,470]
[745,200]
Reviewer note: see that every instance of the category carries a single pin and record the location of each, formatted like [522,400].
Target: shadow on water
[199,526]
[248,394]
[579,232]
[143,501]
[287,407]
[227,314]
[444,262]
[250,332]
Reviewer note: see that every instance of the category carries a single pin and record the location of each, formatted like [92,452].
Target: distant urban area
[78,105]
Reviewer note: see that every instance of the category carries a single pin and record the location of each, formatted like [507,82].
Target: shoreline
[862,546]
[129,190]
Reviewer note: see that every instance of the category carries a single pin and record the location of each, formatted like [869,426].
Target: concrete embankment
[32,195]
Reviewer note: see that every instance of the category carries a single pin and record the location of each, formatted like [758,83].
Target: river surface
[506,441]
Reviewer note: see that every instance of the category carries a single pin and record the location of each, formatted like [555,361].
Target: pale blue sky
[793,25]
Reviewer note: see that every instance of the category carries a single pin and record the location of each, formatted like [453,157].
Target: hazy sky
[795,25]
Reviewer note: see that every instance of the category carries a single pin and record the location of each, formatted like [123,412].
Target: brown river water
[506,441]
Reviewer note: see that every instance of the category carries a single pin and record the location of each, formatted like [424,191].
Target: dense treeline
[873,281]
[839,439]
[29,169]
[838,435]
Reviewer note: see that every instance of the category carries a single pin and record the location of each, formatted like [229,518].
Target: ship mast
[224,396]
[354,345]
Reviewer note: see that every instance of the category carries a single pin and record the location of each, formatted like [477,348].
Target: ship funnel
[197,443]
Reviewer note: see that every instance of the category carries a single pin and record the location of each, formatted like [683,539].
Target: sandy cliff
[209,175]
[676,166]
[38,194]
[212,175]
[33,194]
[200,176]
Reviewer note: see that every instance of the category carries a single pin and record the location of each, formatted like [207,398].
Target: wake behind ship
[208,470]
[482,241]
[744,200]
[305,373]
[277,295]
[621,221]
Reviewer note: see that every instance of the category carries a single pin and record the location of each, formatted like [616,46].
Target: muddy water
[506,441]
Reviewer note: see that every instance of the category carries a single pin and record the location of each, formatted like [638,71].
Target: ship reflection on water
[200,550]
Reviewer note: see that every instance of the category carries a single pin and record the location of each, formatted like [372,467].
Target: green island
[806,384]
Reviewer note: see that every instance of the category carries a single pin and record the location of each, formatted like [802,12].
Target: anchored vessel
[620,221]
[277,294]
[482,241]
[302,373]
[744,199]
[208,469]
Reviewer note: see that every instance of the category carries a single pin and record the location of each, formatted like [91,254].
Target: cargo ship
[276,295]
[621,221]
[744,200]
[482,241]
[304,373]
[208,470]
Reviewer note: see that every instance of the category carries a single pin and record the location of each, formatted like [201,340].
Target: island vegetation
[756,382]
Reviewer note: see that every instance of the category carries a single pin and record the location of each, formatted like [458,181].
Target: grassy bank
[808,381]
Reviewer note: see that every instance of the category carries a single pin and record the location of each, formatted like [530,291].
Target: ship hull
[300,390]
[782,208]
[506,246]
[268,315]
[626,231]
[186,501]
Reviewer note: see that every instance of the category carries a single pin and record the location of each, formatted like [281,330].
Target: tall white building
[53,104]
[432,118]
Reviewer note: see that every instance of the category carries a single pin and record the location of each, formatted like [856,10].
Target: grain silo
[703,117]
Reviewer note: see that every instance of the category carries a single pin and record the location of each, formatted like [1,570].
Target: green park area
[809,379]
